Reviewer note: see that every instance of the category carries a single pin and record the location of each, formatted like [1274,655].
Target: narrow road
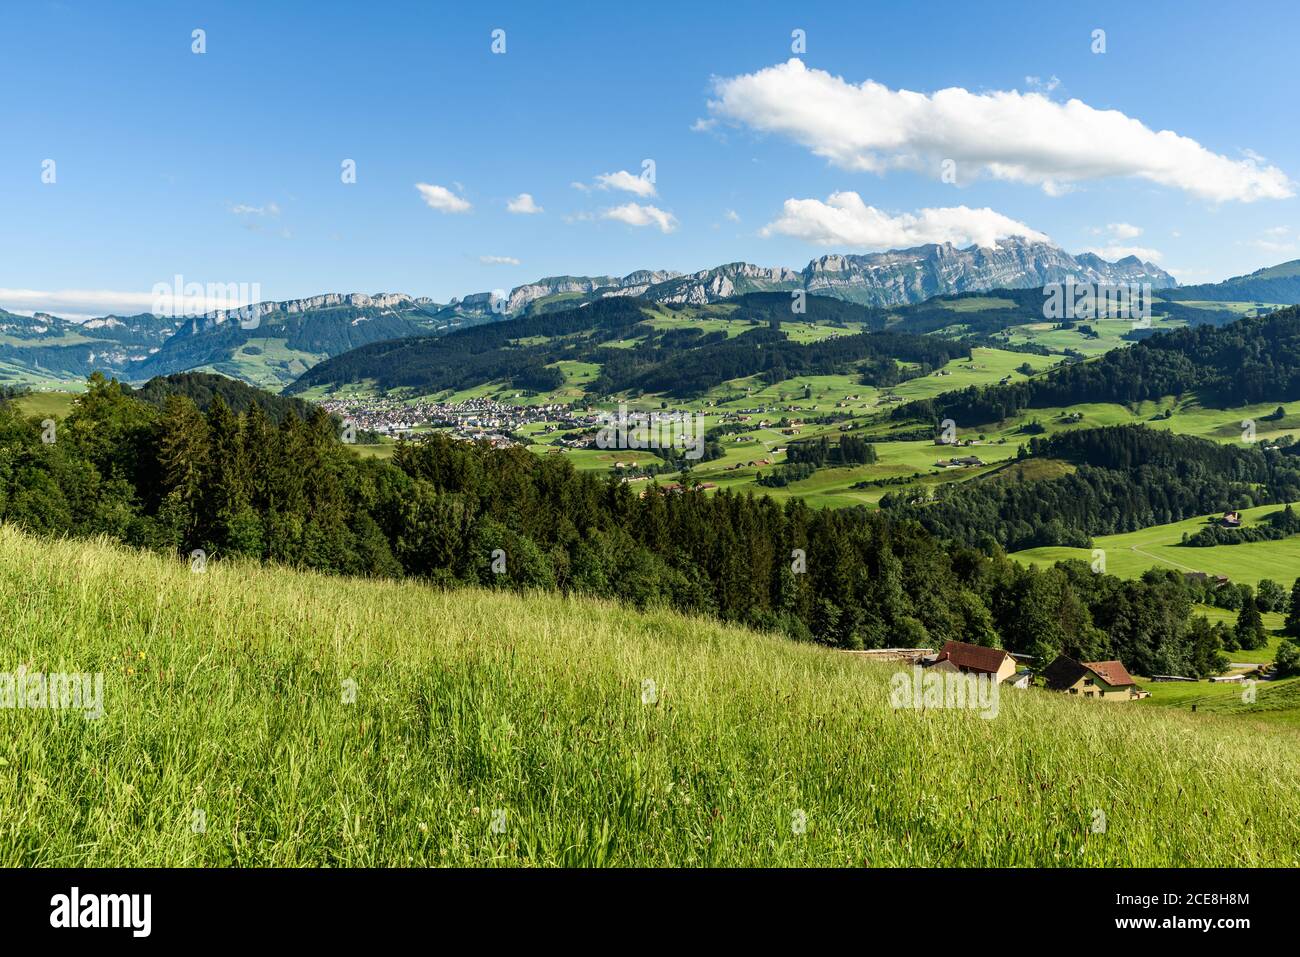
[1165,560]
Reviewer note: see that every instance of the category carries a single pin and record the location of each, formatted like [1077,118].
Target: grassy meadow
[1131,553]
[260,716]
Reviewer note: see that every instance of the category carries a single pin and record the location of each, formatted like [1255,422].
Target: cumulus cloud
[498,260]
[845,220]
[732,216]
[442,199]
[634,214]
[1123,230]
[1117,246]
[1019,137]
[628,182]
[1113,252]
[523,205]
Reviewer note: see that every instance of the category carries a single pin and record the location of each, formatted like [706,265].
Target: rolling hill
[634,355]
[1274,284]
[43,349]
[265,717]
[273,343]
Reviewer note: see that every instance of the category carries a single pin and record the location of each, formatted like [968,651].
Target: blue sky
[225,167]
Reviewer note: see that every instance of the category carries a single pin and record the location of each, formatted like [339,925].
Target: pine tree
[1250,625]
[227,489]
[1292,624]
[183,466]
[259,442]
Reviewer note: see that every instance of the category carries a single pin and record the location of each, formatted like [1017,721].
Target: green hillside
[1132,553]
[1274,284]
[489,728]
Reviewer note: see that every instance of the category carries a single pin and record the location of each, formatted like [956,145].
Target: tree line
[177,479]
[1249,361]
[1116,479]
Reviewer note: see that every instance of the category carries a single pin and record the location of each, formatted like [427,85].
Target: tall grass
[225,694]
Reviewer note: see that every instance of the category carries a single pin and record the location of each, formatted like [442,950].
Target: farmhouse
[961,461]
[974,659]
[1021,679]
[1231,520]
[1108,680]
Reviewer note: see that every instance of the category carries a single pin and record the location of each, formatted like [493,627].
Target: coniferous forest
[1119,479]
[1249,361]
[176,479]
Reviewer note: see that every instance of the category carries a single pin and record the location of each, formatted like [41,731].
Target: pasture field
[54,405]
[1276,703]
[309,720]
[1132,553]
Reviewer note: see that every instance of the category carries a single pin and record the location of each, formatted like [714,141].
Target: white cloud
[78,304]
[628,182]
[1038,83]
[1271,246]
[1281,240]
[243,209]
[498,260]
[1116,246]
[80,301]
[443,199]
[732,216]
[634,214]
[523,205]
[845,220]
[1114,252]
[1020,137]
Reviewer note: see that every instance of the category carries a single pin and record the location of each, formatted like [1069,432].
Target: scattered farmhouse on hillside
[975,659]
[1231,520]
[1021,679]
[1108,680]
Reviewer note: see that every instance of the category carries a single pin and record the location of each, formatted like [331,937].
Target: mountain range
[896,277]
[272,343]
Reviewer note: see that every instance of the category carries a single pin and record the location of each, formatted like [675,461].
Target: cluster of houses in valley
[1100,680]
[474,419]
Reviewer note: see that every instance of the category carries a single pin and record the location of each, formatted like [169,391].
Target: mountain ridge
[271,343]
[892,277]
